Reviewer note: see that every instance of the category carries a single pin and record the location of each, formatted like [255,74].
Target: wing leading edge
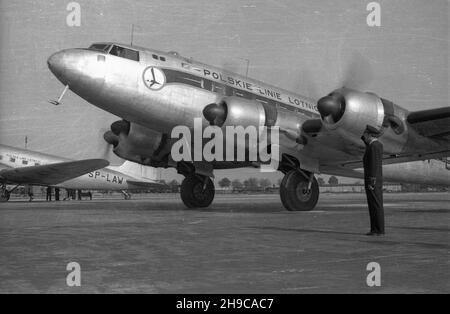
[431,123]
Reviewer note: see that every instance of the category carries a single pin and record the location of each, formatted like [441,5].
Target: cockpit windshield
[100,47]
[125,53]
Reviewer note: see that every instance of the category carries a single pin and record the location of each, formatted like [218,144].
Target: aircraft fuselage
[163,90]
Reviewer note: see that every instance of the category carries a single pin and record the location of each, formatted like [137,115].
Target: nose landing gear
[197,191]
[299,192]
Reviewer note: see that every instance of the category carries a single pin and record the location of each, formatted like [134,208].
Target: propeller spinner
[332,105]
[215,114]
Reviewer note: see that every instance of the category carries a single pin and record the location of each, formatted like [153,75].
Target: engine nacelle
[357,110]
[348,112]
[137,143]
[242,112]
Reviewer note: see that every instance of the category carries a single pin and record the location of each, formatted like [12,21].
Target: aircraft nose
[65,65]
[56,62]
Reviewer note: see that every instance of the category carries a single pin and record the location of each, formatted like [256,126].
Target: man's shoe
[370,233]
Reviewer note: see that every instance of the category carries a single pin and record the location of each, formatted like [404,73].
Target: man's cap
[372,131]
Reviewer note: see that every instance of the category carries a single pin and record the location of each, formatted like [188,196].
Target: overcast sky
[303,46]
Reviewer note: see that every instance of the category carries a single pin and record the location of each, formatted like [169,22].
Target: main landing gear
[299,191]
[197,191]
[4,194]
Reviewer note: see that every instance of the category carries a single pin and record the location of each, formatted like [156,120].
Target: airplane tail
[139,171]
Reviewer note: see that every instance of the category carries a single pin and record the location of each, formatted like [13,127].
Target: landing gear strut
[299,191]
[197,191]
[126,195]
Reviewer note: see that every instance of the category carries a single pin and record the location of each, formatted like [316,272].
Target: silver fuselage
[117,85]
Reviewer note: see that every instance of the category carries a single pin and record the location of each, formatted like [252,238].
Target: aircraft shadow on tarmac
[423,228]
[305,230]
[385,240]
[428,211]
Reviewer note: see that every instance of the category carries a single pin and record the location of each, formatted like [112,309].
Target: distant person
[67,195]
[30,194]
[373,179]
[57,194]
[90,195]
[49,194]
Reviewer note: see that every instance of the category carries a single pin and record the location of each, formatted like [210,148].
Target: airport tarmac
[241,244]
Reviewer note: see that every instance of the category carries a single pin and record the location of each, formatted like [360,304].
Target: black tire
[194,194]
[294,195]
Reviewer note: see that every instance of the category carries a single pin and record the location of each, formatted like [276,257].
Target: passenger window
[194,82]
[218,88]
[162,58]
[25,162]
[12,159]
[155,57]
[261,100]
[238,93]
[125,53]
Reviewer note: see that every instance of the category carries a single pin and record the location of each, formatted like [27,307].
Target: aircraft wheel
[294,192]
[196,193]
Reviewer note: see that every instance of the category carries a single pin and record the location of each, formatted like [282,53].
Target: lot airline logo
[154,78]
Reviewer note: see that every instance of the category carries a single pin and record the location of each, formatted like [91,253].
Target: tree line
[251,184]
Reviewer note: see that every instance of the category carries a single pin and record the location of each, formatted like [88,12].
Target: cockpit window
[100,47]
[125,53]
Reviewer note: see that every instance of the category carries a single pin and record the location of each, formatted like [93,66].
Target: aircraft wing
[51,174]
[431,123]
[330,152]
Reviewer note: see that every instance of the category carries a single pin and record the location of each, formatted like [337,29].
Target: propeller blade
[358,74]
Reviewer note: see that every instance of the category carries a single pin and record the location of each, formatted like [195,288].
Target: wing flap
[145,184]
[53,173]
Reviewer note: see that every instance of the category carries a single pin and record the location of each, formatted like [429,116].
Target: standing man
[373,179]
[49,194]
[30,193]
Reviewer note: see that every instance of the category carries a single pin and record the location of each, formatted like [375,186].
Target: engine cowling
[137,143]
[348,112]
[235,111]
